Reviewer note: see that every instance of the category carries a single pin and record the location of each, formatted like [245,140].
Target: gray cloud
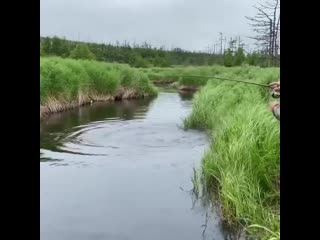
[189,24]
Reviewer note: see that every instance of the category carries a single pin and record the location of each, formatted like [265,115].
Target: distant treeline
[145,55]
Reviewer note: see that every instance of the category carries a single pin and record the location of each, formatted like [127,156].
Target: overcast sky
[189,24]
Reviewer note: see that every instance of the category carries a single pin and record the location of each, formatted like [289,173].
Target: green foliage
[136,55]
[82,52]
[68,79]
[228,58]
[144,55]
[138,61]
[60,46]
[239,57]
[103,79]
[253,59]
[45,46]
[42,52]
[244,158]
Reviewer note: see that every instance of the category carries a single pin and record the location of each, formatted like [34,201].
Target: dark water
[122,171]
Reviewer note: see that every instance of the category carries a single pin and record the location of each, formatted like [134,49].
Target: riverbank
[68,83]
[243,162]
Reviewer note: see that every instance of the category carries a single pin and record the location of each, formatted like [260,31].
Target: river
[122,171]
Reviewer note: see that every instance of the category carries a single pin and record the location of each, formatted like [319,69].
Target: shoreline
[175,84]
[54,105]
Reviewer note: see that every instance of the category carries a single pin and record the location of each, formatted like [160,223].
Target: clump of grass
[155,76]
[243,73]
[244,158]
[195,182]
[58,80]
[103,80]
[192,81]
[74,82]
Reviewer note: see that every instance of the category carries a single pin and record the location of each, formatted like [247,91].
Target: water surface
[122,171]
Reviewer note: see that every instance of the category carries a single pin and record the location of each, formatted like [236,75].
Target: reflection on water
[123,171]
[71,123]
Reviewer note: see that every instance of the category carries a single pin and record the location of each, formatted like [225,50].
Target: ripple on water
[108,166]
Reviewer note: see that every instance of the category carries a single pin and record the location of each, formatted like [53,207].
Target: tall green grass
[68,79]
[243,162]
[186,73]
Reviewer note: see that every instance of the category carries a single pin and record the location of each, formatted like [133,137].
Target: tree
[136,60]
[45,46]
[239,57]
[42,53]
[228,58]
[253,59]
[266,24]
[143,55]
[59,47]
[82,51]
[233,44]
[161,61]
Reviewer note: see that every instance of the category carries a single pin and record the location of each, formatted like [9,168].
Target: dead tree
[266,24]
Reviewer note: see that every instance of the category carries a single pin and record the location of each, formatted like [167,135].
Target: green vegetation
[228,58]
[82,52]
[165,74]
[66,83]
[145,55]
[243,162]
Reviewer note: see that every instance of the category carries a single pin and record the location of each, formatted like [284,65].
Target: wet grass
[243,162]
[66,83]
[195,182]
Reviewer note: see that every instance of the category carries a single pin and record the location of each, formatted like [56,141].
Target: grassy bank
[243,162]
[169,75]
[67,83]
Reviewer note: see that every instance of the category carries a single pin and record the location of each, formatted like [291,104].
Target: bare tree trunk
[266,24]
[277,35]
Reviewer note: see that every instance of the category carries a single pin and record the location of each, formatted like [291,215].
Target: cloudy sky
[189,24]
